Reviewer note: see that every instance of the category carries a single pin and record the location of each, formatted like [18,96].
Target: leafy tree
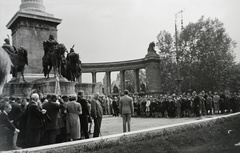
[168,63]
[205,54]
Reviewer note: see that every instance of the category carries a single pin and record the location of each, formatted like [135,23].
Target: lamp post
[178,80]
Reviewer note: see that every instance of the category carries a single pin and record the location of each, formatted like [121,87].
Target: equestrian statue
[19,58]
[54,56]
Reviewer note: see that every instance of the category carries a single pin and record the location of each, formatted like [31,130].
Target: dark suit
[84,117]
[15,114]
[51,125]
[196,106]
[34,124]
[6,129]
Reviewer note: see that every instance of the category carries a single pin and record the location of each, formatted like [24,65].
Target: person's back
[126,105]
[73,122]
[53,112]
[84,115]
[126,110]
[72,107]
[83,102]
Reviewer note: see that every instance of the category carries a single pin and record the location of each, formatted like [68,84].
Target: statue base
[51,85]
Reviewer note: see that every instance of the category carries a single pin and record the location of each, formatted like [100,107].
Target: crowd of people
[186,104]
[172,105]
[53,119]
[38,120]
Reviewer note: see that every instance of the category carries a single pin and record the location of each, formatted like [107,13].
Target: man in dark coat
[7,129]
[15,113]
[115,107]
[196,104]
[51,125]
[34,121]
[84,115]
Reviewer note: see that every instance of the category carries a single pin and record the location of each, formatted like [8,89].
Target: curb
[140,134]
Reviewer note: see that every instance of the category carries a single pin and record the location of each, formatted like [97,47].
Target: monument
[30,27]
[153,72]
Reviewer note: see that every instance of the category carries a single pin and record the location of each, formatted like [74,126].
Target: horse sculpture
[73,66]
[54,59]
[19,59]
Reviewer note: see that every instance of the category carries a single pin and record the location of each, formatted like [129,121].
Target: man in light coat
[126,109]
[97,113]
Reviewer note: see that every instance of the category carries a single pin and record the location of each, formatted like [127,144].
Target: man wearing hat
[126,109]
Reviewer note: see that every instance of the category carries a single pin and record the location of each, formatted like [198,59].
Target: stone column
[94,78]
[153,73]
[137,82]
[79,80]
[122,80]
[108,76]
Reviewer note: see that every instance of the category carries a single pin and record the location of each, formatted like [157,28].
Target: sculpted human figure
[115,89]
[143,87]
[9,48]
[49,47]
[73,65]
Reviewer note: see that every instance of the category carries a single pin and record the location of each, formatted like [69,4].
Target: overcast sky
[118,30]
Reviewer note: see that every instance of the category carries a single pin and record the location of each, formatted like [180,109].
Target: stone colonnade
[122,80]
[150,63]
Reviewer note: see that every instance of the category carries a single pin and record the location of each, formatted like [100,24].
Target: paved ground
[113,125]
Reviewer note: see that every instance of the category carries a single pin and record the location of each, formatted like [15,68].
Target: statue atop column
[151,51]
[151,47]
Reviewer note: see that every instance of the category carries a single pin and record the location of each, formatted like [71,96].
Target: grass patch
[209,137]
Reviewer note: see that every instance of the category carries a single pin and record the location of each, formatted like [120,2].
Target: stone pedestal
[44,86]
[88,88]
[48,85]
[19,89]
[153,73]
